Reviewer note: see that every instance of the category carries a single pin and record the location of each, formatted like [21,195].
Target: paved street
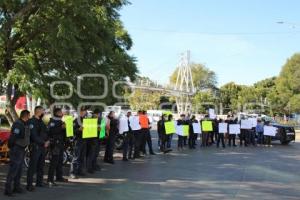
[233,173]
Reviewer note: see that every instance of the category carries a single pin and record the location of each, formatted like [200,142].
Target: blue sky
[238,39]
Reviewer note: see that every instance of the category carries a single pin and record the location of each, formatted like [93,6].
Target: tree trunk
[11,113]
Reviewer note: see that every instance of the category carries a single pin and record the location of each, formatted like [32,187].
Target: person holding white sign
[136,129]
[232,135]
[246,126]
[180,123]
[193,132]
[269,132]
[223,128]
[128,145]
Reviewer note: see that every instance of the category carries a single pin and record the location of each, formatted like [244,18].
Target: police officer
[192,138]
[113,130]
[128,141]
[18,141]
[79,147]
[39,143]
[56,129]
[95,165]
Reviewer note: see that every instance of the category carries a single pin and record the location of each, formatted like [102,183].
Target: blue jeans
[260,139]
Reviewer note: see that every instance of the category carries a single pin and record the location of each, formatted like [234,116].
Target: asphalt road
[231,173]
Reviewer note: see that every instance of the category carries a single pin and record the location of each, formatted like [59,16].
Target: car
[285,134]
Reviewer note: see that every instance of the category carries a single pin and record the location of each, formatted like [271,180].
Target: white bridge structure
[183,90]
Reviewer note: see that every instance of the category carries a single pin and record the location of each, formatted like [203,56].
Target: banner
[90,128]
[234,129]
[270,131]
[223,127]
[197,128]
[186,130]
[123,125]
[69,125]
[207,126]
[102,129]
[170,127]
[246,124]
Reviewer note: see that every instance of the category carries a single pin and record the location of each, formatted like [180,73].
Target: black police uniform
[18,141]
[162,134]
[95,165]
[180,143]
[56,136]
[220,136]
[192,137]
[79,150]
[38,137]
[113,131]
[232,137]
[91,154]
[128,143]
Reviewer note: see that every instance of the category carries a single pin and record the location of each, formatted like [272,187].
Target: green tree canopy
[43,41]
[288,85]
[203,78]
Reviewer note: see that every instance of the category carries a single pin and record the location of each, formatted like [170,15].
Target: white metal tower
[185,84]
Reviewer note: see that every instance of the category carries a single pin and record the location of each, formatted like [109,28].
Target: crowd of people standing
[40,138]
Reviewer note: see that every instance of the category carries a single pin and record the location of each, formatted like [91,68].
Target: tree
[266,90]
[229,94]
[143,100]
[288,85]
[44,41]
[203,78]
[204,100]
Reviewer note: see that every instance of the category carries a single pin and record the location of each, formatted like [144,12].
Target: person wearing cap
[17,143]
[79,153]
[57,134]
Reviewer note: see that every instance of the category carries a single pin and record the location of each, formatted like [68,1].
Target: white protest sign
[179,130]
[135,123]
[254,121]
[246,124]
[234,129]
[197,128]
[123,125]
[223,127]
[270,131]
